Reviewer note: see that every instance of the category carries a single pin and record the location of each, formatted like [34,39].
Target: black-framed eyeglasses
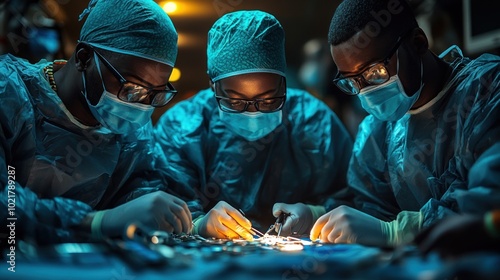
[264,105]
[374,74]
[136,93]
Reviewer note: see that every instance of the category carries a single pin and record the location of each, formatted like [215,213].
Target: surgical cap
[245,42]
[134,27]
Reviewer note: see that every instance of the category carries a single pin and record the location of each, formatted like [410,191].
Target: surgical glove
[301,217]
[157,211]
[223,221]
[403,229]
[347,225]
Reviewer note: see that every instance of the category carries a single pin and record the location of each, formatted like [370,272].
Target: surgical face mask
[251,125]
[389,101]
[118,116]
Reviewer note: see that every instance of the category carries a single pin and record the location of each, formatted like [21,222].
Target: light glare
[169,7]
[175,76]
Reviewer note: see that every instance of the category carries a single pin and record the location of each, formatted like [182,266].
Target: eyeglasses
[374,74]
[136,93]
[264,105]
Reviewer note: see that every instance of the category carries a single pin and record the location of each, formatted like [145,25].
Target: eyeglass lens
[264,105]
[132,92]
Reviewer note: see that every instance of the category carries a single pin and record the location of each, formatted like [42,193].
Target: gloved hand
[300,220]
[348,225]
[224,221]
[157,211]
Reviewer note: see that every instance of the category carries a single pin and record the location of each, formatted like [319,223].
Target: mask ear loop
[421,70]
[421,74]
[98,64]
[421,77]
[84,91]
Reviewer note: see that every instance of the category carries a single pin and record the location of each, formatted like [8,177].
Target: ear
[419,41]
[82,56]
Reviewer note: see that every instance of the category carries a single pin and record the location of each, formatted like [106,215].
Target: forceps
[254,231]
[278,224]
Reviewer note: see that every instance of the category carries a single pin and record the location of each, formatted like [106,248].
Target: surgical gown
[304,159]
[423,161]
[61,169]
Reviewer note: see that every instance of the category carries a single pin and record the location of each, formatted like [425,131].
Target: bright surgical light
[169,7]
[291,247]
[175,76]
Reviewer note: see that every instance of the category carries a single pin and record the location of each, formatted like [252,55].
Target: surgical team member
[429,122]
[76,135]
[250,143]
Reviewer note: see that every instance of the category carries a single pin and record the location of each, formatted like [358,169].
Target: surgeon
[430,119]
[76,155]
[248,149]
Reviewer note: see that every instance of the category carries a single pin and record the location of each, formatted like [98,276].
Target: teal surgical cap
[245,42]
[134,27]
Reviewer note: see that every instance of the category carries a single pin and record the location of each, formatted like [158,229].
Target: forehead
[263,80]
[137,66]
[361,50]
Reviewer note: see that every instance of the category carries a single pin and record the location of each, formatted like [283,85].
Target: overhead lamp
[169,7]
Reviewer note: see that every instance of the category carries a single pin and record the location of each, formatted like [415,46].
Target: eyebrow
[231,91]
[143,83]
[365,67]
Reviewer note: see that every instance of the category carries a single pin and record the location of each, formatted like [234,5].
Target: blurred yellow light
[175,76]
[189,9]
[188,40]
[169,7]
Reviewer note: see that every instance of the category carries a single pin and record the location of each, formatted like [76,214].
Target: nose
[252,106]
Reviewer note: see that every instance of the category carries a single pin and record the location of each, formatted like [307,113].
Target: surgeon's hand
[157,210]
[348,225]
[223,221]
[300,220]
